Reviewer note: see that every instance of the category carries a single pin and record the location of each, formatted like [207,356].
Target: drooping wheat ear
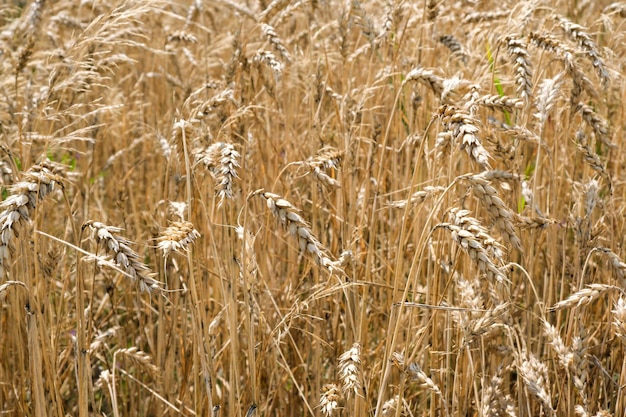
[364,22]
[522,65]
[579,35]
[563,353]
[270,34]
[390,407]
[619,319]
[474,246]
[350,370]
[500,102]
[222,161]
[498,212]
[140,358]
[425,382]
[426,77]
[178,236]
[617,7]
[6,173]
[329,400]
[463,219]
[417,197]
[485,323]
[123,256]
[582,297]
[35,184]
[326,158]
[580,366]
[598,125]
[615,263]
[518,132]
[464,129]
[535,376]
[548,94]
[592,159]
[270,60]
[494,402]
[566,54]
[477,17]
[288,215]
[455,47]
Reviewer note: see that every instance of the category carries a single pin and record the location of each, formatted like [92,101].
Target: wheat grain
[582,297]
[579,34]
[522,65]
[177,236]
[535,376]
[222,161]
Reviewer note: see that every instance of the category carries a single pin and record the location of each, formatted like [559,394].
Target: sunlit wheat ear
[494,402]
[579,34]
[546,99]
[326,158]
[619,319]
[477,17]
[580,366]
[34,185]
[427,78]
[271,35]
[270,60]
[563,353]
[123,256]
[582,297]
[329,400]
[464,129]
[222,161]
[500,102]
[288,215]
[247,263]
[522,65]
[350,370]
[534,373]
[390,407]
[178,236]
[140,358]
[418,197]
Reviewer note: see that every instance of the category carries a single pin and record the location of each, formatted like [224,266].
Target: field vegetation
[312,208]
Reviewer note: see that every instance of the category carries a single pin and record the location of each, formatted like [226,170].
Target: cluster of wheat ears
[312,208]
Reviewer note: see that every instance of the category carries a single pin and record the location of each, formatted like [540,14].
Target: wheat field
[287,208]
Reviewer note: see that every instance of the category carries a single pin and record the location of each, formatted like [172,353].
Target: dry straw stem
[35,184]
[123,255]
[288,215]
[178,236]
[329,400]
[349,369]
